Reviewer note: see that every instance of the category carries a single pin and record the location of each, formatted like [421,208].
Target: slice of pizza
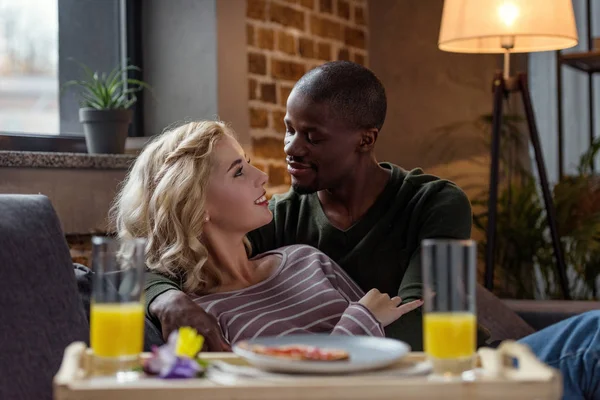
[299,352]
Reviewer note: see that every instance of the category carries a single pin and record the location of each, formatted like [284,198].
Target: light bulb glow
[508,13]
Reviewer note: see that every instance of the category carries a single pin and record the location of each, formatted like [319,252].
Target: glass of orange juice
[117,310]
[449,320]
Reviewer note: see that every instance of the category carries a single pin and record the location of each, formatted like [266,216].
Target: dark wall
[89,32]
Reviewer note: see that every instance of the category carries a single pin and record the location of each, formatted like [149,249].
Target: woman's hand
[386,310]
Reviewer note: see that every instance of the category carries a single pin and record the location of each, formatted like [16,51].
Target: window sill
[34,159]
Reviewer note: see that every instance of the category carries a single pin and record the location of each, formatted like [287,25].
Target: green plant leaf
[90,101]
[107,90]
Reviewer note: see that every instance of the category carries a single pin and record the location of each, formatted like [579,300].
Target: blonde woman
[194,195]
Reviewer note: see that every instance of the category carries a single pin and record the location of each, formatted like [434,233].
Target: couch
[42,310]
[45,300]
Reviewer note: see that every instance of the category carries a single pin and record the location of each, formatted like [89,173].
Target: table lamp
[511,26]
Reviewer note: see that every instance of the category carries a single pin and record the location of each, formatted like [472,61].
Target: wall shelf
[588,61]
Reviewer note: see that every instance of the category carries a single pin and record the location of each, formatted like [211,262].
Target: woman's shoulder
[299,254]
[296,251]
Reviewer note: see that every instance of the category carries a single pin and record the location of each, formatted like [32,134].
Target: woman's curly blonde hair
[163,198]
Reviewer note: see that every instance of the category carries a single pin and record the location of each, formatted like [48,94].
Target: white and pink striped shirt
[307,293]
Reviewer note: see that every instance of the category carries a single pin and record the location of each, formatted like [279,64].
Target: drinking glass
[449,321]
[117,306]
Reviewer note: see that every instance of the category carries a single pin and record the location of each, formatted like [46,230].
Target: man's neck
[349,202]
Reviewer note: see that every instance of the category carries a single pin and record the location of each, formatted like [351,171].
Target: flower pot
[105,130]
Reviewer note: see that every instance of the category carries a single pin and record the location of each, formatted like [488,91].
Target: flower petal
[189,343]
[182,368]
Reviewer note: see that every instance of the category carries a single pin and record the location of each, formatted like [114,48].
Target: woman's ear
[368,139]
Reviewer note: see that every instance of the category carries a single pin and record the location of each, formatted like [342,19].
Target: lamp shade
[486,26]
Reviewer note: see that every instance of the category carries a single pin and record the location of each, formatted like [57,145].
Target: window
[39,41]
[29,66]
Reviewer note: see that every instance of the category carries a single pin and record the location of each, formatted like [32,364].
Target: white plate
[366,353]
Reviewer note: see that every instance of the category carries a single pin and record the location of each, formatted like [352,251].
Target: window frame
[129,39]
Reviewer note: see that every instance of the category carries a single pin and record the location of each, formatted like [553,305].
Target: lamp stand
[502,87]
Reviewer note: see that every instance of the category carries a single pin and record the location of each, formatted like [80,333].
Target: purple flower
[182,368]
[166,364]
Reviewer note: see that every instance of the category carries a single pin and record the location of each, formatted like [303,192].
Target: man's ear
[368,139]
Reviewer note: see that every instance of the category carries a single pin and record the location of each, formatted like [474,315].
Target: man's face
[321,148]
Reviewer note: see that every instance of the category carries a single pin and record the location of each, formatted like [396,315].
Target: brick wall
[80,247]
[285,39]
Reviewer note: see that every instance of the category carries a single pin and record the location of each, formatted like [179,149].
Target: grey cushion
[83,276]
[495,316]
[41,310]
[543,313]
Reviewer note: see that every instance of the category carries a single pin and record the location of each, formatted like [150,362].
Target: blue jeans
[573,347]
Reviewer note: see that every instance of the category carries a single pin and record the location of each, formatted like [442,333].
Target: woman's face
[235,201]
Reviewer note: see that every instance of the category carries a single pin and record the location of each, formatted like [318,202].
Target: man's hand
[175,309]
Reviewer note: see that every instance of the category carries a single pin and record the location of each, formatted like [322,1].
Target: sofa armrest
[543,313]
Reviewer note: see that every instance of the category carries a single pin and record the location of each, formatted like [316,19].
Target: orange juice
[117,329]
[450,341]
[449,335]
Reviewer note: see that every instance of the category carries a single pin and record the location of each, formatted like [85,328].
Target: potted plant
[524,256]
[105,113]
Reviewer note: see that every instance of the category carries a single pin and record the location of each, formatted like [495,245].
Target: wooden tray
[532,380]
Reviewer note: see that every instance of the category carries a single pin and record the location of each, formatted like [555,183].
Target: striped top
[307,293]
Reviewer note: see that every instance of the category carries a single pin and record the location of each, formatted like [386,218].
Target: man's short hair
[352,91]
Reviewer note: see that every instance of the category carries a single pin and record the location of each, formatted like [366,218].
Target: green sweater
[381,250]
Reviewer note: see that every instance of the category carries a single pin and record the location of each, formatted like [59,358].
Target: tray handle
[71,366]
[498,363]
